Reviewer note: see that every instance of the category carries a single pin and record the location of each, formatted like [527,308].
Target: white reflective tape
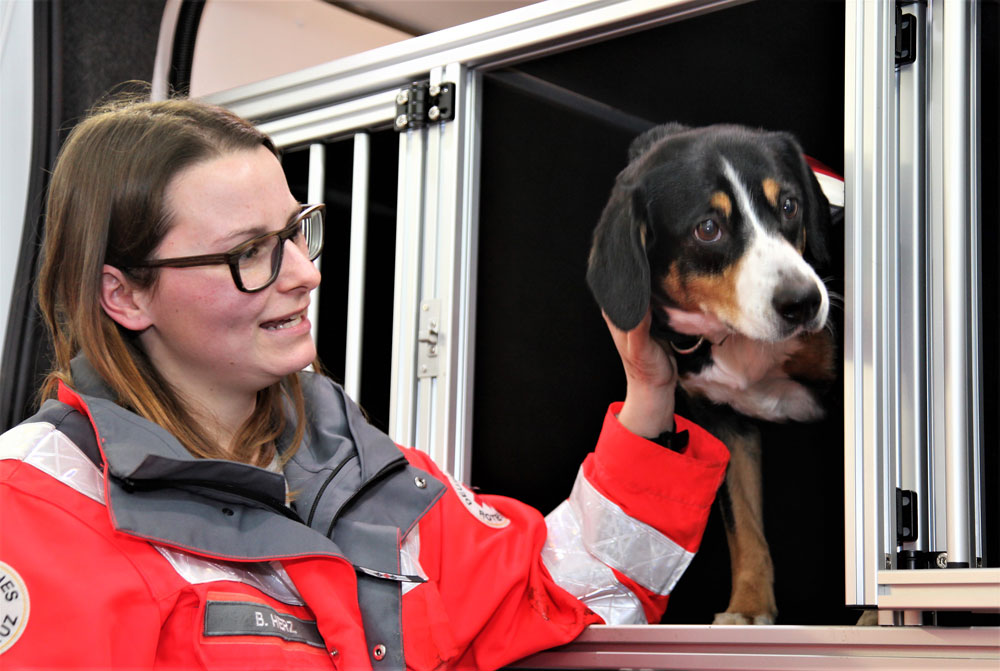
[268,577]
[626,544]
[44,447]
[51,451]
[583,575]
[832,188]
[409,559]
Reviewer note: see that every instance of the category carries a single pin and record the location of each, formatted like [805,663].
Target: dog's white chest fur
[749,376]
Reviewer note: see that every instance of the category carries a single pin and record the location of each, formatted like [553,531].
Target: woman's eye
[707,231]
[251,252]
[790,208]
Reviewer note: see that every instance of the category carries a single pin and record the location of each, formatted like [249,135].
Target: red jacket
[154,559]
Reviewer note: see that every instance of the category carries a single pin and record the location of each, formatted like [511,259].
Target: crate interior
[555,131]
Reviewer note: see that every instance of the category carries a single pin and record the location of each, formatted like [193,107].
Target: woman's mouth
[287,322]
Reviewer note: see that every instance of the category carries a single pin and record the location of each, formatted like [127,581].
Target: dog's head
[721,229]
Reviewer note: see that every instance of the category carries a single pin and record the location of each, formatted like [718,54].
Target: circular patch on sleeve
[483,512]
[14,606]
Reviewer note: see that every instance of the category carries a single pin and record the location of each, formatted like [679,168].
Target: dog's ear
[618,269]
[818,221]
[641,144]
[816,206]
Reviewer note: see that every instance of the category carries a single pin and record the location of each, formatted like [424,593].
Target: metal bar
[577,102]
[428,386]
[771,647]
[956,279]
[979,480]
[969,589]
[342,118]
[315,193]
[454,225]
[912,180]
[869,345]
[356,270]
[468,272]
[406,290]
[853,395]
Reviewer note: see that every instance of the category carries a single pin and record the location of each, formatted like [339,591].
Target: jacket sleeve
[503,582]
[80,601]
[634,520]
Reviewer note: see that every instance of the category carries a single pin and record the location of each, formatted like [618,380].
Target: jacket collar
[341,452]
[139,451]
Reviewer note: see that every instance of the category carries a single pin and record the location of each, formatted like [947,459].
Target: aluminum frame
[911,342]
[770,648]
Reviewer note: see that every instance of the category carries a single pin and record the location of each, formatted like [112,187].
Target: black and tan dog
[722,231]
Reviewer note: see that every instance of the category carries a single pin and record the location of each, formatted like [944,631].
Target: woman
[187,498]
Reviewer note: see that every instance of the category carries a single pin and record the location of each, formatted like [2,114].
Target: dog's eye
[707,231]
[790,208]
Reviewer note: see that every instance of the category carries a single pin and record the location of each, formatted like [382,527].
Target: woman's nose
[296,269]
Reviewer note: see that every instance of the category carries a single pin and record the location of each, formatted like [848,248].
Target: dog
[722,232]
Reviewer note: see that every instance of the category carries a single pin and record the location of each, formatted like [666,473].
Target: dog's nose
[797,304]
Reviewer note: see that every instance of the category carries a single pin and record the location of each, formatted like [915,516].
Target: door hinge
[906,36]
[906,516]
[422,103]
[428,332]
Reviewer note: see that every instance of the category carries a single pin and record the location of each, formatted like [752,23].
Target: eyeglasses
[255,264]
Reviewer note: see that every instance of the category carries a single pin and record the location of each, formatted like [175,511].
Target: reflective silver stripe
[269,577]
[49,450]
[584,576]
[409,558]
[588,534]
[626,544]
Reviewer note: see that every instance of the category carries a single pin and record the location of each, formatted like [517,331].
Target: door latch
[428,333]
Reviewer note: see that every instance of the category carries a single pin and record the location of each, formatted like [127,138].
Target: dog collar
[681,349]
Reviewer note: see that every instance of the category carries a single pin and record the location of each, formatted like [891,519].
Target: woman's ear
[123,301]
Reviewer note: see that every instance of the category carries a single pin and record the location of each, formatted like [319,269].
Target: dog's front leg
[752,597]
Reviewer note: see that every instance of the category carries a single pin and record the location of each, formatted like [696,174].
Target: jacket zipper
[388,468]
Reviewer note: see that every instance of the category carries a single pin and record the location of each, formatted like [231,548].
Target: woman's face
[207,337]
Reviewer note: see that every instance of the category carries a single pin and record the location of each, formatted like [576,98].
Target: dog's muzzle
[798,304]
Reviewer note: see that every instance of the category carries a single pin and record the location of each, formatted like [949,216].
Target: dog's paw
[740,618]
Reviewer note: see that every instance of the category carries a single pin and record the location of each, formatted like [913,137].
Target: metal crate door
[435,279]
[913,421]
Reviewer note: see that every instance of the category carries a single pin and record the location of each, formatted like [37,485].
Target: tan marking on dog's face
[814,360]
[721,202]
[714,294]
[771,191]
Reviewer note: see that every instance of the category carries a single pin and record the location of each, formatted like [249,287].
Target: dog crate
[465,171]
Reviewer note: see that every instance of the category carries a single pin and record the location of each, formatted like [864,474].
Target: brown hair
[106,206]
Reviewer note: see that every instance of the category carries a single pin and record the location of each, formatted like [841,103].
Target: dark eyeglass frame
[232,257]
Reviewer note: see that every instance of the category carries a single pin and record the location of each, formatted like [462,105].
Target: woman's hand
[651,376]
